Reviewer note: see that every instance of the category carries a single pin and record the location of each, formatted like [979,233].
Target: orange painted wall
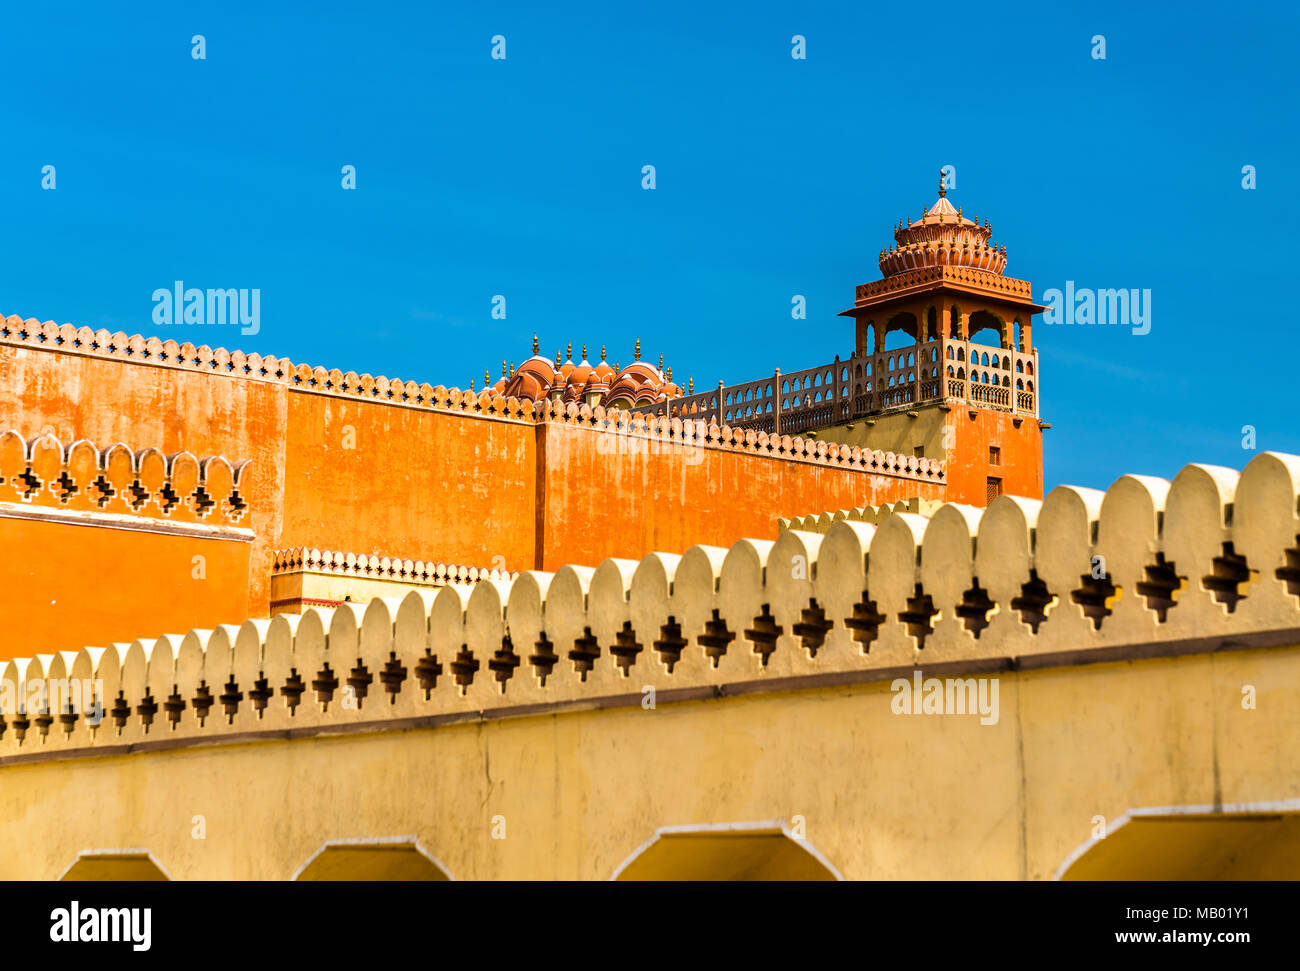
[349,474]
[968,465]
[73,396]
[63,587]
[668,498]
[417,483]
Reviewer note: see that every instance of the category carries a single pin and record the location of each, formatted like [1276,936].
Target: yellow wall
[1115,701]
[883,796]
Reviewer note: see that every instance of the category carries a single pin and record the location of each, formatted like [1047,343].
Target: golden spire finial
[584,352]
[943,187]
[504,372]
[570,351]
[690,385]
[512,369]
[534,342]
[670,374]
[559,356]
[471,384]
[636,355]
[602,352]
[487,377]
[661,364]
[959,213]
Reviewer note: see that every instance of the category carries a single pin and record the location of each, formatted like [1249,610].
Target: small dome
[637,384]
[575,382]
[533,379]
[604,368]
[540,378]
[943,236]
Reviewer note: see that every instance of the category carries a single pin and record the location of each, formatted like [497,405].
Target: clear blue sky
[775,177]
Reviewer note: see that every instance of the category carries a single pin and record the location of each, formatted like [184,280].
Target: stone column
[835,384]
[776,402]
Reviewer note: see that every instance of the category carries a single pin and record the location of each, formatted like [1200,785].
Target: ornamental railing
[789,403]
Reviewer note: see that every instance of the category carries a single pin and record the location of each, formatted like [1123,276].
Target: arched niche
[399,859]
[731,852]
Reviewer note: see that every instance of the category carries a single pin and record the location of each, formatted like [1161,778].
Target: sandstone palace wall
[347,462]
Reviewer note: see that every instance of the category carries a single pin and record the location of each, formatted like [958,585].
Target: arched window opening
[986,328]
[900,331]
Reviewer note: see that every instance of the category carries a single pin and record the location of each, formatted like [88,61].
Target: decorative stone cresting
[1211,558]
[66,338]
[821,522]
[78,477]
[376,567]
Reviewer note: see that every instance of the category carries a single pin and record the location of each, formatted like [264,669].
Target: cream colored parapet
[1208,562]
[821,522]
[309,577]
[150,351]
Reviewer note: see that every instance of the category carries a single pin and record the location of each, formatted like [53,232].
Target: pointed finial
[661,364]
[504,372]
[471,384]
[602,352]
[559,357]
[512,369]
[690,385]
[584,352]
[617,366]
[943,186]
[570,351]
[636,355]
[670,374]
[534,342]
[959,213]
[487,378]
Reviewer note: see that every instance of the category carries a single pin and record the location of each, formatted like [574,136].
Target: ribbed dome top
[943,236]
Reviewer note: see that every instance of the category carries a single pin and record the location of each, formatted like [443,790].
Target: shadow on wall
[384,859]
[1187,844]
[119,866]
[737,851]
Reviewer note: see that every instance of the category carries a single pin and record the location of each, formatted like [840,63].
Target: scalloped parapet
[1208,562]
[302,578]
[135,348]
[379,567]
[821,522]
[43,473]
